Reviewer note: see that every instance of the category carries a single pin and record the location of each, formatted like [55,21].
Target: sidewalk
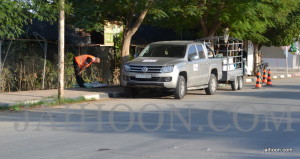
[278,74]
[11,98]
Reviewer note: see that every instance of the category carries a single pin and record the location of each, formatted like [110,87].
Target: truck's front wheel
[180,89]
[212,85]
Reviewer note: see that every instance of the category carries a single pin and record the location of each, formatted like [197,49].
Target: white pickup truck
[173,65]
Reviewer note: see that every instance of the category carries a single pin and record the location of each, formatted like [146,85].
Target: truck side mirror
[193,57]
[136,55]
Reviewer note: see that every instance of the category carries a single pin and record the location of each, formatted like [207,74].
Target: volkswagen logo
[144,69]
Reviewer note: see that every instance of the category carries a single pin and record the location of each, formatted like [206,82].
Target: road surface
[246,124]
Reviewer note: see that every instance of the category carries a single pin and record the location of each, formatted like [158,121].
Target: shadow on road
[252,130]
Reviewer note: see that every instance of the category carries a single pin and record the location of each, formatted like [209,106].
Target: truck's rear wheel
[240,82]
[212,85]
[234,84]
[180,89]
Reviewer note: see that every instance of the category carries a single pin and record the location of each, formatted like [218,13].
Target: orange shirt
[81,60]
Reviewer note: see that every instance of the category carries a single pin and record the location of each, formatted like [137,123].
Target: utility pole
[0,65]
[61,50]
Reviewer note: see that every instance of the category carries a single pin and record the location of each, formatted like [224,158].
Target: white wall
[280,62]
[276,59]
[250,52]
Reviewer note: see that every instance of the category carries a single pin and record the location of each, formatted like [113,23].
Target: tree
[249,20]
[14,14]
[285,32]
[261,17]
[12,18]
[260,21]
[87,15]
[180,15]
[130,12]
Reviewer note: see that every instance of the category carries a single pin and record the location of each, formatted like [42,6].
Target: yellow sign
[111,28]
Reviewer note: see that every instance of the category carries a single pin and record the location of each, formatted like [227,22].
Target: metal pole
[286,60]
[298,56]
[227,57]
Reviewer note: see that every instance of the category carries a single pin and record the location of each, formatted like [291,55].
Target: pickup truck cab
[173,65]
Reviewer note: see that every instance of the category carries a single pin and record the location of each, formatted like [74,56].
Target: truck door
[193,67]
[203,63]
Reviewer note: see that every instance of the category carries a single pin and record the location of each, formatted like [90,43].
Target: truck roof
[182,42]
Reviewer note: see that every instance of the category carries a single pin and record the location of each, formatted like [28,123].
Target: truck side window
[192,52]
[201,52]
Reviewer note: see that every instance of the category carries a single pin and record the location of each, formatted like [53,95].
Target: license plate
[143,76]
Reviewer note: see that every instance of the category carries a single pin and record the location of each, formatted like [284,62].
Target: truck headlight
[126,68]
[167,69]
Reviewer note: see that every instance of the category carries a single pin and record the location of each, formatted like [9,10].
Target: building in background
[277,59]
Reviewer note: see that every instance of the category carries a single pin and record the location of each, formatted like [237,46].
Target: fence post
[45,62]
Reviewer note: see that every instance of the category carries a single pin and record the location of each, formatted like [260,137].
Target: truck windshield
[164,50]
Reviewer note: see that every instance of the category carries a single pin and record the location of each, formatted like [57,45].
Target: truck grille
[148,69]
[145,79]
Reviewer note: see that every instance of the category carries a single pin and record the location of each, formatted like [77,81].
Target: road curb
[248,80]
[280,76]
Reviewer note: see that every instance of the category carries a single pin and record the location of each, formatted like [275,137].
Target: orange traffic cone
[269,82]
[258,82]
[264,80]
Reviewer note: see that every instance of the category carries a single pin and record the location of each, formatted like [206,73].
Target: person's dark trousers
[79,79]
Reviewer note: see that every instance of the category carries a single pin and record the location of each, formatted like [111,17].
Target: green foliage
[118,39]
[255,20]
[284,32]
[45,10]
[69,70]
[17,13]
[87,14]
[179,15]
[12,14]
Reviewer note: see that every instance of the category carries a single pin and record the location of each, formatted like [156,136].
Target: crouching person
[80,64]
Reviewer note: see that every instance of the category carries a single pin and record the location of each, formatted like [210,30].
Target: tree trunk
[203,27]
[214,29]
[129,32]
[126,49]
[209,31]
[61,50]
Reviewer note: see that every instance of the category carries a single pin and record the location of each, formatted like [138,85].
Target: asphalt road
[251,123]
